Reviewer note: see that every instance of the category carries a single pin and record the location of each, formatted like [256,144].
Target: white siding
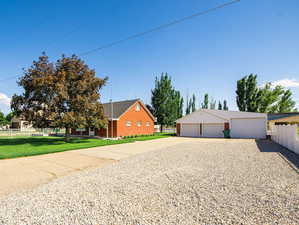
[213,130]
[190,130]
[248,128]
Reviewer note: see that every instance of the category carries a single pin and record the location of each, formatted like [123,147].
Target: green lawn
[12,147]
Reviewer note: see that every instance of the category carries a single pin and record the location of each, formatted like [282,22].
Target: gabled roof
[120,107]
[217,116]
[276,116]
[225,114]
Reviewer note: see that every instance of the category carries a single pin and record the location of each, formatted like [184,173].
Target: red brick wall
[135,116]
[178,129]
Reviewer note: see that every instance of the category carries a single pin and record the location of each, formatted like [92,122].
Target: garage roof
[217,116]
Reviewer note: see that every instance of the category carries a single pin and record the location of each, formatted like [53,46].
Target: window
[148,124]
[138,124]
[137,108]
[128,123]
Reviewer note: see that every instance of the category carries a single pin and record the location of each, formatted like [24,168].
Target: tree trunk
[161,128]
[67,134]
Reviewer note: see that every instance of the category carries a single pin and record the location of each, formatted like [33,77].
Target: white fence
[286,135]
[31,132]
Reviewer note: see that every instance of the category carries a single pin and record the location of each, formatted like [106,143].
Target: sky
[207,54]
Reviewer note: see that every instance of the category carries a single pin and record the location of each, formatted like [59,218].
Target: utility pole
[111,118]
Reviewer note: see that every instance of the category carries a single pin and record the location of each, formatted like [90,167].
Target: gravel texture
[204,182]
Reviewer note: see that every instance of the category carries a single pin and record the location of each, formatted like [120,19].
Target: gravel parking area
[201,182]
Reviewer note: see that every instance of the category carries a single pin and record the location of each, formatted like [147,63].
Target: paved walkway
[28,172]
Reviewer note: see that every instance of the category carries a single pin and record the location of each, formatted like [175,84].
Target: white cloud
[4,103]
[286,83]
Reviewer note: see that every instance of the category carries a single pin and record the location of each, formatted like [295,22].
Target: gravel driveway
[201,182]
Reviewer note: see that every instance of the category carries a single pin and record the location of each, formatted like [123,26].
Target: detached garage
[211,123]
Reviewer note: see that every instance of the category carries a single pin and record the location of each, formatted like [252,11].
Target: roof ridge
[129,100]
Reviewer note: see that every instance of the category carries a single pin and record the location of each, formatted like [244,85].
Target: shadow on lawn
[270,146]
[39,141]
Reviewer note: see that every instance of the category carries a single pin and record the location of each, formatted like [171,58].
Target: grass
[13,147]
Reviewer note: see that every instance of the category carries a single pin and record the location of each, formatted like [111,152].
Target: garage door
[190,130]
[213,130]
[248,128]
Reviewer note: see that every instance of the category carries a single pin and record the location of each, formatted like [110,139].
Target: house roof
[216,116]
[120,107]
[225,114]
[276,116]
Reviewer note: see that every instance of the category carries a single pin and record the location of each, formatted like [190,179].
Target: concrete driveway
[28,172]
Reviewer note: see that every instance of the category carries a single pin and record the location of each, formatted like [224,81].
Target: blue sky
[206,54]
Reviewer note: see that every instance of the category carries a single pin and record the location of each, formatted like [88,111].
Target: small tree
[193,102]
[219,106]
[205,104]
[225,107]
[212,104]
[3,120]
[64,95]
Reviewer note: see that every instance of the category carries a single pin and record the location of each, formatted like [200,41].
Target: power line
[163,26]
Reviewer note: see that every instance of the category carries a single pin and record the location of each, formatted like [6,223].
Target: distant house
[283,118]
[211,123]
[20,123]
[126,118]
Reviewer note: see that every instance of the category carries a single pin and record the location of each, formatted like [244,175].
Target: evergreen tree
[225,107]
[166,101]
[193,107]
[205,103]
[187,111]
[219,106]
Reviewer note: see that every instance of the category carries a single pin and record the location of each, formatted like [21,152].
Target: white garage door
[190,130]
[248,128]
[213,130]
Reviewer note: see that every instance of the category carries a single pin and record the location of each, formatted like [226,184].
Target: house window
[148,124]
[138,124]
[128,123]
[137,107]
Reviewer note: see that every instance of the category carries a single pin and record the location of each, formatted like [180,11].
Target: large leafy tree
[285,103]
[166,101]
[247,93]
[266,99]
[64,94]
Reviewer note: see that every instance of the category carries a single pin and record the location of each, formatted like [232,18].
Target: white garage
[211,123]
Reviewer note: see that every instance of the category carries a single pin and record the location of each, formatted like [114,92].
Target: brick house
[126,118]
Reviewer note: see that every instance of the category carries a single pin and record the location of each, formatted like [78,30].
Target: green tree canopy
[247,93]
[205,104]
[64,94]
[219,106]
[266,99]
[167,102]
